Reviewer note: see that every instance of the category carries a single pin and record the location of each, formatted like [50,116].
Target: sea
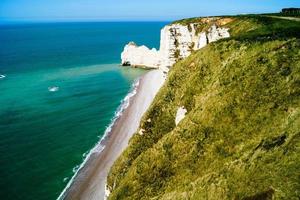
[61,87]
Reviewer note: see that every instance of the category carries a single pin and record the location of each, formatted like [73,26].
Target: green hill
[240,138]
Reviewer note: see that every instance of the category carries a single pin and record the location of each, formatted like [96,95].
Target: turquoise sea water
[44,135]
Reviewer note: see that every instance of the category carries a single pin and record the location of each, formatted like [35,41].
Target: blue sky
[133,10]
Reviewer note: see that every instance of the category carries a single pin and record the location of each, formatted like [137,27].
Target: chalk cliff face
[177,42]
[215,33]
[140,56]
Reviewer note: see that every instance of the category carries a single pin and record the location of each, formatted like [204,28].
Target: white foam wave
[53,89]
[85,154]
[98,148]
[75,168]
[2,76]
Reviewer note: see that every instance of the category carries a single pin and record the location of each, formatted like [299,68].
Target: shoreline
[90,180]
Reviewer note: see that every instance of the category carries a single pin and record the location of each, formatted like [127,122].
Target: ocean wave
[66,179]
[2,76]
[53,89]
[75,168]
[99,147]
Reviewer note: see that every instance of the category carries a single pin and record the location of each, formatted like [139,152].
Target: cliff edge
[226,123]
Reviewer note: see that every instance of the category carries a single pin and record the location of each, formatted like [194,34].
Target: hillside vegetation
[240,138]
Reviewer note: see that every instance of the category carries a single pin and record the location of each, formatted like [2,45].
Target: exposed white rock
[202,40]
[140,56]
[180,114]
[215,33]
[106,192]
[141,131]
[177,42]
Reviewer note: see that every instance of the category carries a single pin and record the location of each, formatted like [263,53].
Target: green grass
[253,28]
[241,136]
[284,14]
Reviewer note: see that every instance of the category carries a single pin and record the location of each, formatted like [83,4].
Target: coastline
[89,182]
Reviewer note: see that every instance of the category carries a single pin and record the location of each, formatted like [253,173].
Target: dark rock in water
[126,64]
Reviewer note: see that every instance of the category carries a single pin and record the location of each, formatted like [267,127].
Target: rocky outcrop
[106,192]
[177,42]
[180,114]
[215,33]
[140,56]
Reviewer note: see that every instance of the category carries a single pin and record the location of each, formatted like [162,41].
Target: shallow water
[61,88]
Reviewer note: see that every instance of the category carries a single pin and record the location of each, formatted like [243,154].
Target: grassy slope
[241,136]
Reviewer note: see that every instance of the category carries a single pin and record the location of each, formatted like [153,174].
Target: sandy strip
[90,181]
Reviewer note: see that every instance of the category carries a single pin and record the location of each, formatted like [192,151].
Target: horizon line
[12,22]
[70,20]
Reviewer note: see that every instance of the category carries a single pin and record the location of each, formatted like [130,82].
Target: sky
[132,10]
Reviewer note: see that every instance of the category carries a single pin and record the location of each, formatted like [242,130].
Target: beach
[90,181]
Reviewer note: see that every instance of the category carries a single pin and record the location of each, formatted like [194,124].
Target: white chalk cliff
[140,56]
[177,42]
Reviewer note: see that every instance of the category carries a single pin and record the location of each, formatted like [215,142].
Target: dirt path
[287,18]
